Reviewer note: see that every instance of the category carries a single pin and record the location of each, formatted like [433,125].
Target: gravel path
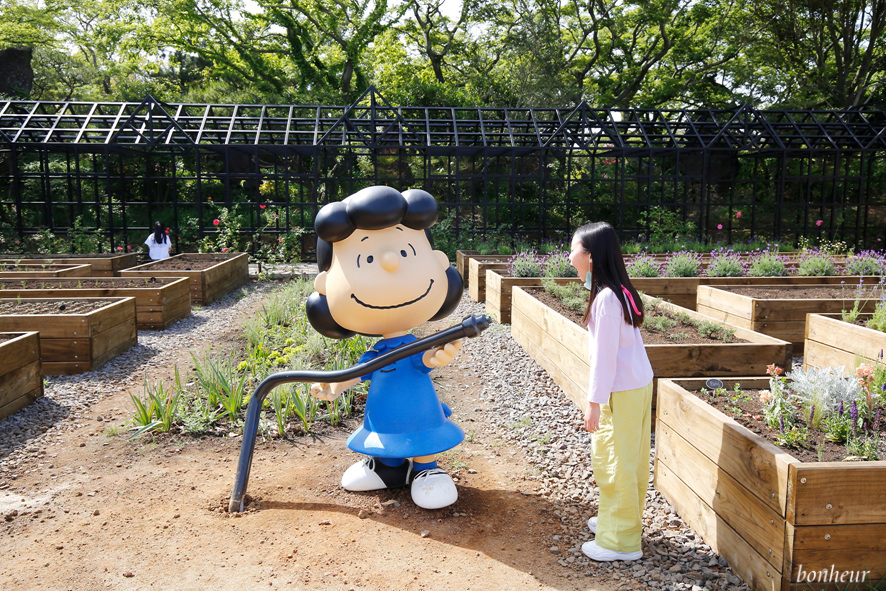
[527,409]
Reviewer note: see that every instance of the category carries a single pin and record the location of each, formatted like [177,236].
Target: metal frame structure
[535,173]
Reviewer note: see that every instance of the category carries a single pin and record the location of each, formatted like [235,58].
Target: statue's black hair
[373,208]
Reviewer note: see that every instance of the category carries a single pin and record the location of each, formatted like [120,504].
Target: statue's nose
[390,262]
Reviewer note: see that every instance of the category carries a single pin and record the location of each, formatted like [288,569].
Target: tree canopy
[495,53]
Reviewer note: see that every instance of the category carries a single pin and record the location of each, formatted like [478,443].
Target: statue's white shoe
[433,489]
[370,474]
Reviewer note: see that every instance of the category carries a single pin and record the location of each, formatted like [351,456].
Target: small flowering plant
[526,263]
[682,264]
[556,264]
[643,265]
[767,263]
[725,262]
[868,262]
[816,263]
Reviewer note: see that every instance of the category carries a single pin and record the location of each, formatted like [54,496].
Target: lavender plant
[643,265]
[767,263]
[725,263]
[816,263]
[556,264]
[526,263]
[868,262]
[682,264]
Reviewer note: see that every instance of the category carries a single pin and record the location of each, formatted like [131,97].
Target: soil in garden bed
[188,262]
[679,334]
[830,292]
[8,337]
[40,267]
[747,410]
[26,306]
[87,283]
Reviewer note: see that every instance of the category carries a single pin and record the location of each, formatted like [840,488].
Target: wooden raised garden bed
[477,267]
[778,312]
[32,270]
[159,301]
[461,263]
[831,342]
[683,291]
[500,287]
[21,377]
[103,265]
[72,341]
[560,346]
[767,513]
[210,275]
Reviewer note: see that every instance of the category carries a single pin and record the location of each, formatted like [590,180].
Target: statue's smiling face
[384,281]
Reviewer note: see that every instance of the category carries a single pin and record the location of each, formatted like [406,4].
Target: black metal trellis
[113,168]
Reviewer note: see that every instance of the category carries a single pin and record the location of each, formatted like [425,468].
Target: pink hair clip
[631,299]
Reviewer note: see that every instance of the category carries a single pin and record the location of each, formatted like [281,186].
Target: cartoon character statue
[380,275]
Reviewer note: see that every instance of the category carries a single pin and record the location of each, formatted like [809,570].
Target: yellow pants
[621,467]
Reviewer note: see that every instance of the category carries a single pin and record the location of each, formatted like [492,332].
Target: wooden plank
[122,335]
[741,556]
[818,548]
[52,368]
[831,337]
[118,310]
[19,351]
[21,402]
[572,376]
[113,342]
[19,382]
[759,465]
[826,493]
[76,349]
[819,355]
[48,326]
[477,268]
[759,525]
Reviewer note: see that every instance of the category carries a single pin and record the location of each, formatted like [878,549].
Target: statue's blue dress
[403,417]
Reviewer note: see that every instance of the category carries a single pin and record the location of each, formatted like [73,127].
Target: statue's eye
[402,253]
[369,259]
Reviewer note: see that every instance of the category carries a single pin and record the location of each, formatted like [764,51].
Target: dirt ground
[108,512]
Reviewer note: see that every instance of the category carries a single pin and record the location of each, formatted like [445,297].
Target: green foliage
[665,224]
[816,263]
[526,264]
[767,263]
[573,295]
[643,265]
[682,264]
[725,263]
[556,264]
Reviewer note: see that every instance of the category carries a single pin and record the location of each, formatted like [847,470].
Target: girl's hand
[442,355]
[592,417]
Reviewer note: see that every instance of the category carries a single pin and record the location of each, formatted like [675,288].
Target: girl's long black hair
[159,235]
[601,242]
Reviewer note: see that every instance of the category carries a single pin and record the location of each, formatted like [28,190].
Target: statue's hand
[442,355]
[324,391]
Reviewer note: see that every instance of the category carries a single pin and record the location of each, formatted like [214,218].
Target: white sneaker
[592,524]
[367,474]
[595,552]
[433,489]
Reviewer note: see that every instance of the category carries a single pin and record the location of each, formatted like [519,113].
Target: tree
[828,53]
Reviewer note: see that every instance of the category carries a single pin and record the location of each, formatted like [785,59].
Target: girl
[619,395]
[158,243]
[380,275]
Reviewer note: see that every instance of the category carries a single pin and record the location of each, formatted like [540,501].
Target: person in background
[618,411]
[158,243]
